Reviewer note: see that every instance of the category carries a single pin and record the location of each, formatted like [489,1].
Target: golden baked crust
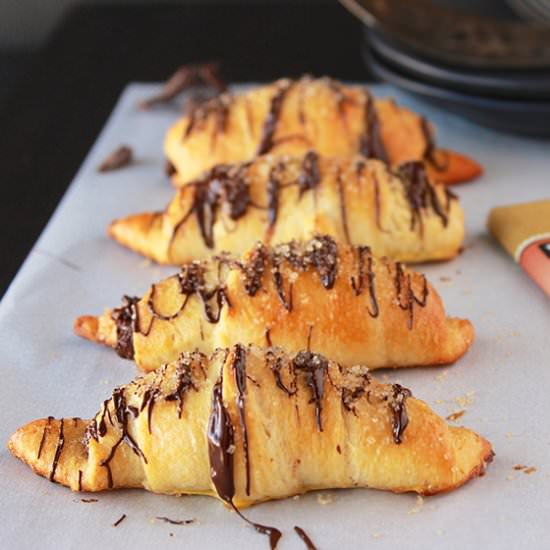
[248,425]
[337,300]
[398,212]
[291,117]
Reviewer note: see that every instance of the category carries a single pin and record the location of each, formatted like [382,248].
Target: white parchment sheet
[503,383]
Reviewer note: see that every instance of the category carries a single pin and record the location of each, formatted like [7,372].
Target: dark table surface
[52,118]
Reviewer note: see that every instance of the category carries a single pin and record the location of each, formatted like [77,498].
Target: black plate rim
[483,84]
[469,100]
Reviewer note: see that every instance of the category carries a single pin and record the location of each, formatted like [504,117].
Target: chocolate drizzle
[184,382]
[58,450]
[430,151]
[303,535]
[406,298]
[221,188]
[314,367]
[371,144]
[45,432]
[273,187]
[200,112]
[272,118]
[343,209]
[126,320]
[399,411]
[239,369]
[421,194]
[358,284]
[221,446]
[310,176]
[276,364]
[121,411]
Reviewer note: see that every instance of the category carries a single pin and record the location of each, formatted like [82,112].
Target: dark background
[63,63]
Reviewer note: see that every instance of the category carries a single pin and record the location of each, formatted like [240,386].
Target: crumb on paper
[439,531]
[509,435]
[454,416]
[324,498]
[510,478]
[120,157]
[445,279]
[441,376]
[466,292]
[465,400]
[376,535]
[525,469]
[145,263]
[439,401]
[417,506]
[514,333]
[295,497]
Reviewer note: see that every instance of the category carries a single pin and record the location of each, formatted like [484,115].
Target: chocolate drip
[223,188]
[421,194]
[371,144]
[409,299]
[268,337]
[314,367]
[121,414]
[279,284]
[239,369]
[80,480]
[343,207]
[47,429]
[322,253]
[429,152]
[339,96]
[221,446]
[303,535]
[169,168]
[358,285]
[176,521]
[58,450]
[254,268]
[272,118]
[276,364]
[191,280]
[399,411]
[310,176]
[126,320]
[184,382]
[148,400]
[273,189]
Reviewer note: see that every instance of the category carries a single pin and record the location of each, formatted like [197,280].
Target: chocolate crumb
[119,520]
[120,157]
[88,500]
[188,76]
[176,521]
[455,415]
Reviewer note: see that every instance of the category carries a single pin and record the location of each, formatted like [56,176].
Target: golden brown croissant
[248,425]
[398,212]
[291,117]
[337,300]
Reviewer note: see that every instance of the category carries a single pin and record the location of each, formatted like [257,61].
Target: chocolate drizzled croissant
[290,117]
[334,299]
[248,425]
[399,212]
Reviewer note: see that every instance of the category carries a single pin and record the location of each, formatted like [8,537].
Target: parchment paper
[503,383]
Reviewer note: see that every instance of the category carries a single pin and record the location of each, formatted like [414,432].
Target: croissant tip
[459,168]
[86,326]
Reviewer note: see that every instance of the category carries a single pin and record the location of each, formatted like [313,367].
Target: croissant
[248,425]
[291,117]
[334,299]
[399,212]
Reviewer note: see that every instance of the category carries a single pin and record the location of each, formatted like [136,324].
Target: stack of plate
[494,71]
